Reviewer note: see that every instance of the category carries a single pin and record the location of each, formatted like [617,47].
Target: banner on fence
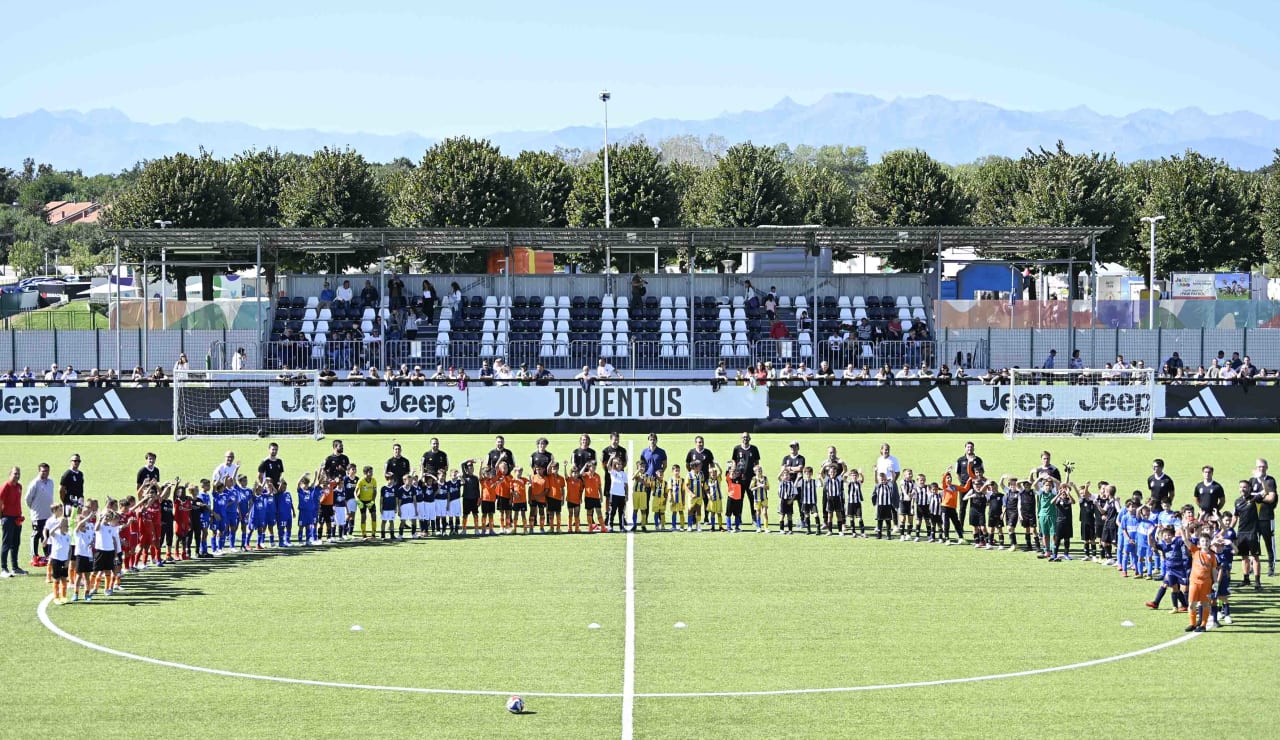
[1067,401]
[35,404]
[372,403]
[618,402]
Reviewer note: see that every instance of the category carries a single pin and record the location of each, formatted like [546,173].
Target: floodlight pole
[164,277]
[119,316]
[608,211]
[1151,281]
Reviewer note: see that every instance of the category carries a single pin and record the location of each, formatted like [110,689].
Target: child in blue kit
[1128,539]
[1226,556]
[284,514]
[308,506]
[1146,552]
[221,498]
[247,524]
[1177,564]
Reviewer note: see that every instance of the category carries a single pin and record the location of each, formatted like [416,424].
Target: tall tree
[333,187]
[909,188]
[1065,189]
[1269,211]
[748,186]
[1209,223]
[47,186]
[257,178]
[26,258]
[190,192]
[822,196]
[463,182]
[993,185]
[689,149]
[550,180]
[640,188]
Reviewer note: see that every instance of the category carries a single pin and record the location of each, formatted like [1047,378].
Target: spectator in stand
[720,377]
[542,376]
[27,378]
[1051,360]
[182,363]
[771,305]
[486,373]
[638,289]
[802,321]
[463,380]
[53,376]
[778,330]
[1077,363]
[1215,369]
[802,374]
[326,293]
[374,377]
[1174,363]
[428,301]
[344,292]
[502,372]
[139,377]
[524,378]
[369,294]
[411,325]
[893,332]
[825,374]
[944,375]
[70,377]
[158,378]
[904,376]
[1247,373]
[240,360]
[9,379]
[93,379]
[585,378]
[1227,374]
[455,296]
[1236,362]
[925,374]
[606,371]
[395,290]
[355,376]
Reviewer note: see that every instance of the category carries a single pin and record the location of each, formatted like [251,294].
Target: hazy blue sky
[389,66]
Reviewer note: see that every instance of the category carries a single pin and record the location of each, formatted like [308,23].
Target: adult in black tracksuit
[963,465]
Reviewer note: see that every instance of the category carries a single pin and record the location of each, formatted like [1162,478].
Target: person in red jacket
[11,523]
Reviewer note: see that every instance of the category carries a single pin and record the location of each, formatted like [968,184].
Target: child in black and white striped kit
[853,502]
[833,500]
[808,490]
[786,503]
[885,497]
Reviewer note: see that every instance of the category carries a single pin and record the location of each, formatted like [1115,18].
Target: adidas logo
[108,407]
[807,406]
[235,407]
[931,406]
[1204,404]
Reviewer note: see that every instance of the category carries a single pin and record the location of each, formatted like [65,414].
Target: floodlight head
[604,96]
[656,220]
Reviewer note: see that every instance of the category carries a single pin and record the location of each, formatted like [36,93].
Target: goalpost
[237,403]
[1081,403]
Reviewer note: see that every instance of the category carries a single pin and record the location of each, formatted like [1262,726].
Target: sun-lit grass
[511,614]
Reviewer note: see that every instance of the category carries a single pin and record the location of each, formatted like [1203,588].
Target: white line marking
[629,643]
[42,613]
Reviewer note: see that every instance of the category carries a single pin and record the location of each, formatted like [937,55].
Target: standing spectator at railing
[486,373]
[825,374]
[605,371]
[849,376]
[925,374]
[1174,362]
[429,300]
[27,378]
[181,363]
[70,376]
[53,376]
[542,376]
[1236,362]
[944,376]
[240,360]
[158,378]
[585,378]
[9,379]
[802,374]
[720,377]
[369,294]
[1077,363]
[1248,371]
[502,372]
[1215,369]
[439,377]
[905,375]
[344,292]
[1051,360]
[139,377]
[395,291]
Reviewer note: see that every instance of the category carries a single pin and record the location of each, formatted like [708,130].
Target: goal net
[1081,403]
[237,403]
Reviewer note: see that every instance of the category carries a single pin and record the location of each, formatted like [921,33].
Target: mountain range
[953,131]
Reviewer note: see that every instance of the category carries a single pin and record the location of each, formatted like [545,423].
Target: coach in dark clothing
[1160,485]
[435,461]
[500,454]
[963,463]
[700,455]
[615,451]
[746,457]
[583,454]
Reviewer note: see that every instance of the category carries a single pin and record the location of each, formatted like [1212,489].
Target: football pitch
[650,635]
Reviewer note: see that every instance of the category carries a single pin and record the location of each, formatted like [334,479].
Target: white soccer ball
[515,705]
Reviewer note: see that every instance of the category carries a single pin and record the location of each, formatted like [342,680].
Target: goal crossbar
[237,403]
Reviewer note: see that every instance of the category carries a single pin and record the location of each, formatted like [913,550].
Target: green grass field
[511,614]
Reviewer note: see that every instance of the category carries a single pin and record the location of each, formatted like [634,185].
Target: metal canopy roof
[244,243]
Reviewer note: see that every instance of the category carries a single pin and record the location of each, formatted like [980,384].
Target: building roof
[58,212]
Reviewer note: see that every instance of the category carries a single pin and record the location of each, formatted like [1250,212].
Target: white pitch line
[629,643]
[42,613]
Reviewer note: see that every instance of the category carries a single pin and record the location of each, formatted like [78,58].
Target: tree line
[1217,217]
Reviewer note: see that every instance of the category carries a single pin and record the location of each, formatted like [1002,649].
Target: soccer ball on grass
[515,705]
